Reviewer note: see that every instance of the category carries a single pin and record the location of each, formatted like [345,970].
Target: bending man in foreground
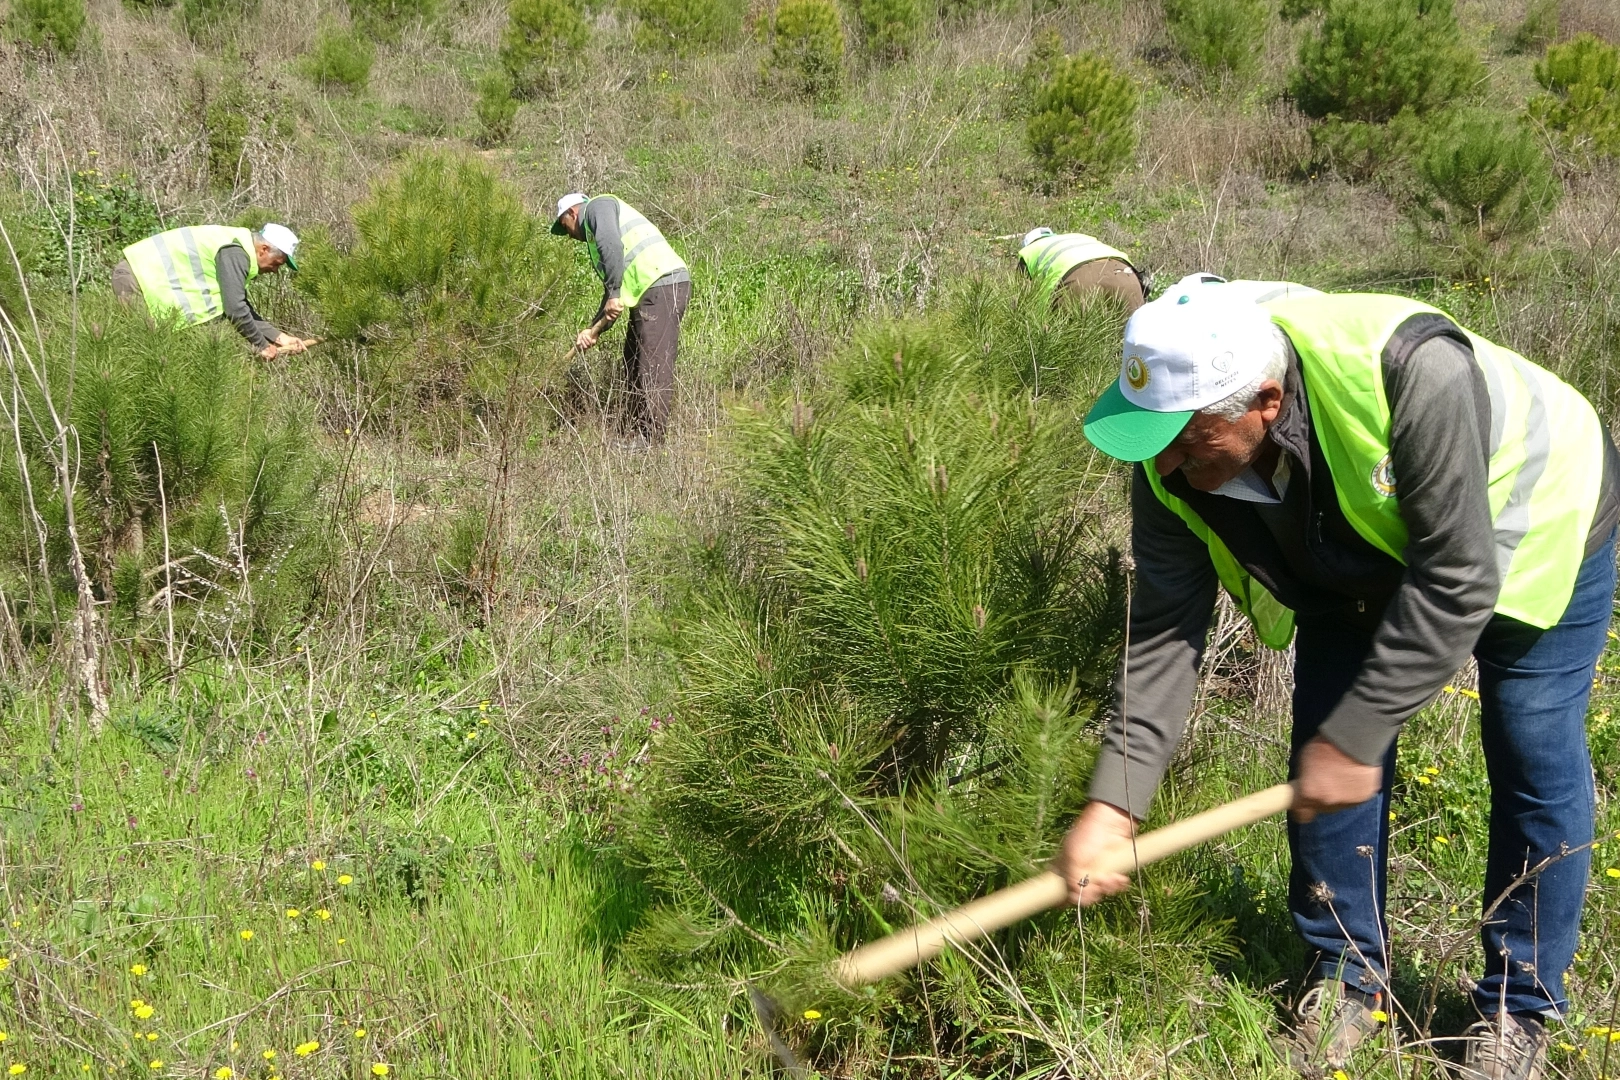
[640,274]
[1402,493]
[200,273]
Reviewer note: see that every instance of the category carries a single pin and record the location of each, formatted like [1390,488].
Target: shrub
[446,260]
[1373,58]
[1486,180]
[538,44]
[237,460]
[204,18]
[1083,122]
[902,631]
[1219,37]
[1582,77]
[1044,56]
[384,18]
[341,57]
[54,24]
[686,25]
[497,108]
[807,49]
[889,28]
[226,126]
[1538,29]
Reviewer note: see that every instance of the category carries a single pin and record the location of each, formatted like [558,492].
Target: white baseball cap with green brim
[1183,352]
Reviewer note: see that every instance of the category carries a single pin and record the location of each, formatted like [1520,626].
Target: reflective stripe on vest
[178,274]
[647,255]
[1545,452]
[1049,258]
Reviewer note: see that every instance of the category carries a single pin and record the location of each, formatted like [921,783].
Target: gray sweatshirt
[232,265]
[1423,618]
[601,220]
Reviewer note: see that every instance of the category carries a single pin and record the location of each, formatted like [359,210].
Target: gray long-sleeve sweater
[601,220]
[1423,618]
[232,264]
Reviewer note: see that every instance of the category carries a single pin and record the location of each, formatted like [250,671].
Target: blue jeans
[1533,689]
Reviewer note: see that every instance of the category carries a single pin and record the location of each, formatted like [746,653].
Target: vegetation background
[369,713]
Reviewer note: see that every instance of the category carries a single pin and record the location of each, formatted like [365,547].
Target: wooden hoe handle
[908,948]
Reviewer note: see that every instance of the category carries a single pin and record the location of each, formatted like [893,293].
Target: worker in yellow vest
[1077,266]
[1392,493]
[199,273]
[643,275]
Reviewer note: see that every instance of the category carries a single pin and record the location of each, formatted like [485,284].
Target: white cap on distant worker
[1034,235]
[565,204]
[283,240]
[1186,350]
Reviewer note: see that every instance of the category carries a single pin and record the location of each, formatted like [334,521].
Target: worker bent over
[1080,267]
[1392,493]
[200,273]
[640,274]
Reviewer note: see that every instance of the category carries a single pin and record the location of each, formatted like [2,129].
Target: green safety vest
[1544,471]
[177,272]
[647,255]
[1049,258]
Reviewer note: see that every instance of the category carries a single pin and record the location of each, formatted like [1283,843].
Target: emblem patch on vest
[1383,478]
[1136,373]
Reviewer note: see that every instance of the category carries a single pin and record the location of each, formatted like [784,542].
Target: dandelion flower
[136,1003]
[1441,840]
[293,913]
[1613,871]
[359,1033]
[1432,771]
[1338,1074]
[5,961]
[1424,780]
[4,1036]
[345,879]
[144,1012]
[378,1069]
[246,935]
[811,1014]
[317,865]
[17,1069]
[1597,1031]
[307,1048]
[151,1036]
[323,914]
[137,969]
[269,1055]
[472,735]
[1381,1016]
[155,1064]
[483,706]
[343,941]
[224,1072]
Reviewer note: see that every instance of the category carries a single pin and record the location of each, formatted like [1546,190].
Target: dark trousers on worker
[1104,277]
[1533,690]
[650,346]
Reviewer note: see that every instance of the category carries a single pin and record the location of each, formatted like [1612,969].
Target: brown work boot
[1510,1049]
[1332,1021]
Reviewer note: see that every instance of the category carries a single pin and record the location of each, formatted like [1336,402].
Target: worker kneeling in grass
[1079,267]
[1394,493]
[640,274]
[200,273]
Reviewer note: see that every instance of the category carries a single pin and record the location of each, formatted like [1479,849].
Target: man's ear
[1268,399]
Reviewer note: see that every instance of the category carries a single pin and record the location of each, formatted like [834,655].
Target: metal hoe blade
[767,1010]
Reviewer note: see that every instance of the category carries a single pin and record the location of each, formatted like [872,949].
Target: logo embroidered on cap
[1383,478]
[1136,373]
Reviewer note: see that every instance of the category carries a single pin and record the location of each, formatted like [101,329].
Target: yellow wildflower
[17,1068]
[269,1055]
[317,865]
[1597,1031]
[1381,1016]
[137,969]
[144,1012]
[378,1069]
[323,914]
[224,1072]
[136,1003]
[155,1063]
[811,1014]
[151,1036]
[1441,840]
[345,879]
[4,1036]
[293,913]
[306,1049]
[359,1033]
[472,735]
[246,935]
[1338,1074]
[1432,771]
[1613,871]
[1424,780]
[343,941]
[5,961]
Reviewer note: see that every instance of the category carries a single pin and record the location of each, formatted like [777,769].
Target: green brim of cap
[1130,432]
[557,228]
[292,262]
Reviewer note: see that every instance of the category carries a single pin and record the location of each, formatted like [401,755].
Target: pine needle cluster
[1082,123]
[1582,80]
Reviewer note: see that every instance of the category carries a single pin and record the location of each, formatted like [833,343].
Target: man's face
[270,258]
[570,222]
[1210,451]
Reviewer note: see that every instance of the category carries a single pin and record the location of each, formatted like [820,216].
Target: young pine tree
[1582,80]
[889,28]
[1082,123]
[807,49]
[686,26]
[342,58]
[539,45]
[1373,59]
[1221,38]
[49,24]
[1486,182]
